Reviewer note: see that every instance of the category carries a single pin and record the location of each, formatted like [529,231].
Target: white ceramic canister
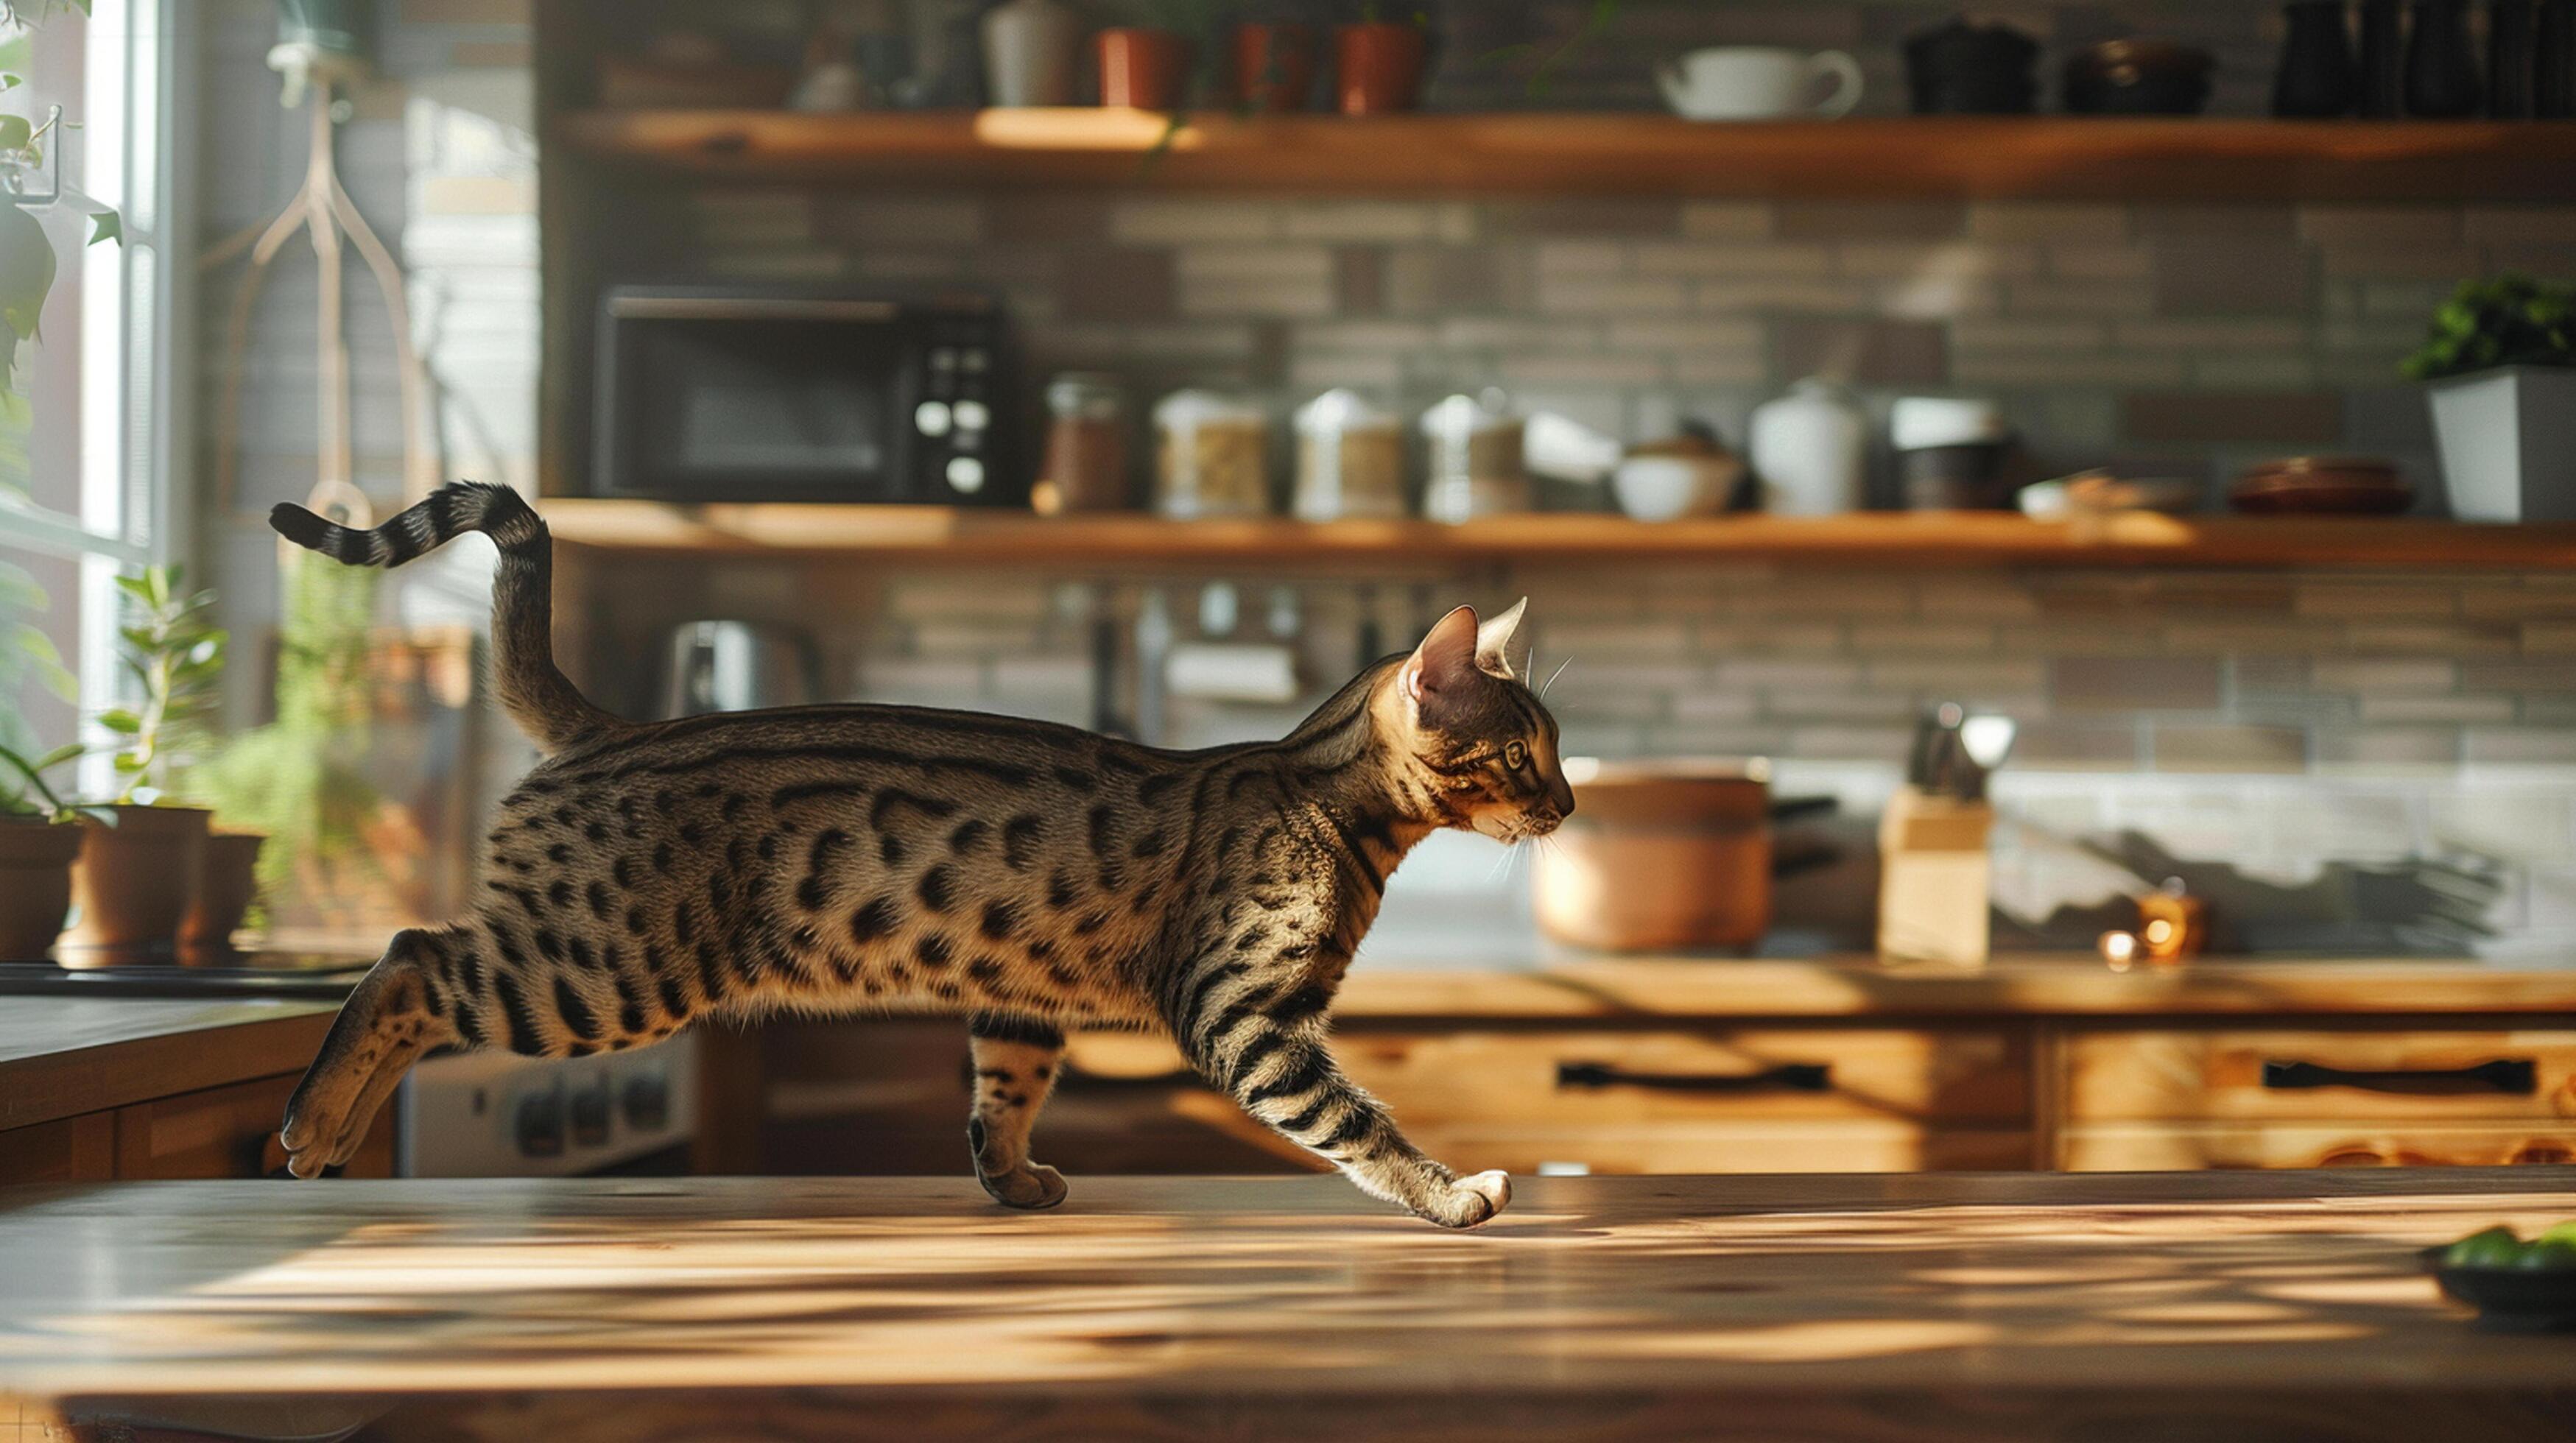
[1811,449]
[1032,53]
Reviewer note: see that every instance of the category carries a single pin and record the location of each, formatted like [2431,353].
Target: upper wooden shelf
[943,535]
[2040,156]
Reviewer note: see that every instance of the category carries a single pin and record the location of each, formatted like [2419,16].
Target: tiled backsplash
[2380,762]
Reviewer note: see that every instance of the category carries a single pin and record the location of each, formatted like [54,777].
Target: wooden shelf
[2056,156]
[942,535]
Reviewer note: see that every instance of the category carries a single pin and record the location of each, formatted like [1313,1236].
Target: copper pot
[1663,855]
[1379,66]
[1142,68]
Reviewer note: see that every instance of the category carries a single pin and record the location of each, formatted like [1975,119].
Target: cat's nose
[1560,795]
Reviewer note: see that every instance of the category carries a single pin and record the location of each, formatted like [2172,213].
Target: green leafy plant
[28,794]
[176,652]
[27,265]
[2506,321]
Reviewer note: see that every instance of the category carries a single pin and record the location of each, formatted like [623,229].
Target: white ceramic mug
[1755,82]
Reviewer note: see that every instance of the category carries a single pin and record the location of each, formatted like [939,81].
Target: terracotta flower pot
[226,886]
[1274,66]
[1379,67]
[135,880]
[1142,68]
[35,885]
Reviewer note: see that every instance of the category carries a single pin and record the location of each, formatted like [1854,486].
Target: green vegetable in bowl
[2495,1247]
[2548,1254]
[2563,1233]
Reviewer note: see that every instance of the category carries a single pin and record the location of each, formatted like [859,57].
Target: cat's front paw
[1032,1185]
[1471,1200]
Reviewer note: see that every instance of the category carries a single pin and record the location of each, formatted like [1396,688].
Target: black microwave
[732,394]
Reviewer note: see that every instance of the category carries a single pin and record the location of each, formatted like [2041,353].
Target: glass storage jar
[1476,465]
[1213,454]
[1350,459]
[1086,445]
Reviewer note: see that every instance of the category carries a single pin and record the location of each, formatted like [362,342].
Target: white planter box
[2508,440]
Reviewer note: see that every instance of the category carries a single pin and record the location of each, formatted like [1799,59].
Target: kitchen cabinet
[93,1090]
[1705,1066]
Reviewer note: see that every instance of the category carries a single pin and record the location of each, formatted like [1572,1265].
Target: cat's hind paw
[1032,1186]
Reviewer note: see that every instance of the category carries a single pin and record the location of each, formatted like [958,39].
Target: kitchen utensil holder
[1936,879]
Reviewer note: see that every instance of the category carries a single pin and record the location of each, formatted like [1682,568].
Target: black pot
[1963,69]
[2316,79]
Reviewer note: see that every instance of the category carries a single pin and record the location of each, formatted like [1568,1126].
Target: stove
[458,1114]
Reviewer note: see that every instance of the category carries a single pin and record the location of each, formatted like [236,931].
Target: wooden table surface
[2201,1306]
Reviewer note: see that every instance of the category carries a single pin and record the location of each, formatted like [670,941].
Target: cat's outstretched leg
[1016,1062]
[398,1011]
[1258,1033]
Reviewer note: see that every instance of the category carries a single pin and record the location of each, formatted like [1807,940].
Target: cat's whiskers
[1552,676]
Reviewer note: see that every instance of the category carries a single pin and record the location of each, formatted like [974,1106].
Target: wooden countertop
[1608,989]
[1967,1306]
[61,1056]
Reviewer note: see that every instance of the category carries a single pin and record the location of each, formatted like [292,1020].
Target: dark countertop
[2199,1305]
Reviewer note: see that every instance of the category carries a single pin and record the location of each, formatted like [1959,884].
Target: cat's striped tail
[536,695]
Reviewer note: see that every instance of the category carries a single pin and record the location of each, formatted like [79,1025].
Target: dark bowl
[2138,77]
[2516,1299]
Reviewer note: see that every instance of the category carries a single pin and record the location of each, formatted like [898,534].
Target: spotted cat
[872,858]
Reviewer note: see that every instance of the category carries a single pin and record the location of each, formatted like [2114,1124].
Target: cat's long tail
[536,695]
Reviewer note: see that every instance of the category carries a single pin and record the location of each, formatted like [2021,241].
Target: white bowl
[1667,488]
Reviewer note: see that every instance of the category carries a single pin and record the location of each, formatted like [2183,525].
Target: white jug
[1757,82]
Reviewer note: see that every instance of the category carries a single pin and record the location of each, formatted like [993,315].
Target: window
[89,414]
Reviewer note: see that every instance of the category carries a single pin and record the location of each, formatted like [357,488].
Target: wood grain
[949,535]
[2208,1306]
[2360,1142]
[1645,988]
[2097,157]
[2217,1074]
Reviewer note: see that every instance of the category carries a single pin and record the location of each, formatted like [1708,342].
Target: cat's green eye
[1515,755]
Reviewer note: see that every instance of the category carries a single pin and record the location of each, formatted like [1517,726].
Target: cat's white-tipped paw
[1473,1200]
[1032,1186]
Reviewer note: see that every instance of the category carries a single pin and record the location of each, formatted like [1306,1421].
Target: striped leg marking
[1263,1041]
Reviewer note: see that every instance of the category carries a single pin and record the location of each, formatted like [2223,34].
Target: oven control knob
[971,416]
[648,1103]
[945,359]
[538,1125]
[966,474]
[931,418]
[592,1107]
[973,361]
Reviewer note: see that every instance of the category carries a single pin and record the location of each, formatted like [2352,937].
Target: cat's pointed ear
[1445,662]
[1494,639]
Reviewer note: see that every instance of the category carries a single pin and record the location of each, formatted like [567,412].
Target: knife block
[1936,879]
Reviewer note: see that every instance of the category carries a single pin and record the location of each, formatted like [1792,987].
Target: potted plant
[2501,360]
[1379,63]
[137,877]
[38,840]
[1147,67]
[1274,64]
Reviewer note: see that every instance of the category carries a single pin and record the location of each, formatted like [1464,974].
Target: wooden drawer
[1614,1100]
[2163,1147]
[1684,1146]
[226,1132]
[1599,1078]
[2374,1074]
[68,1149]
